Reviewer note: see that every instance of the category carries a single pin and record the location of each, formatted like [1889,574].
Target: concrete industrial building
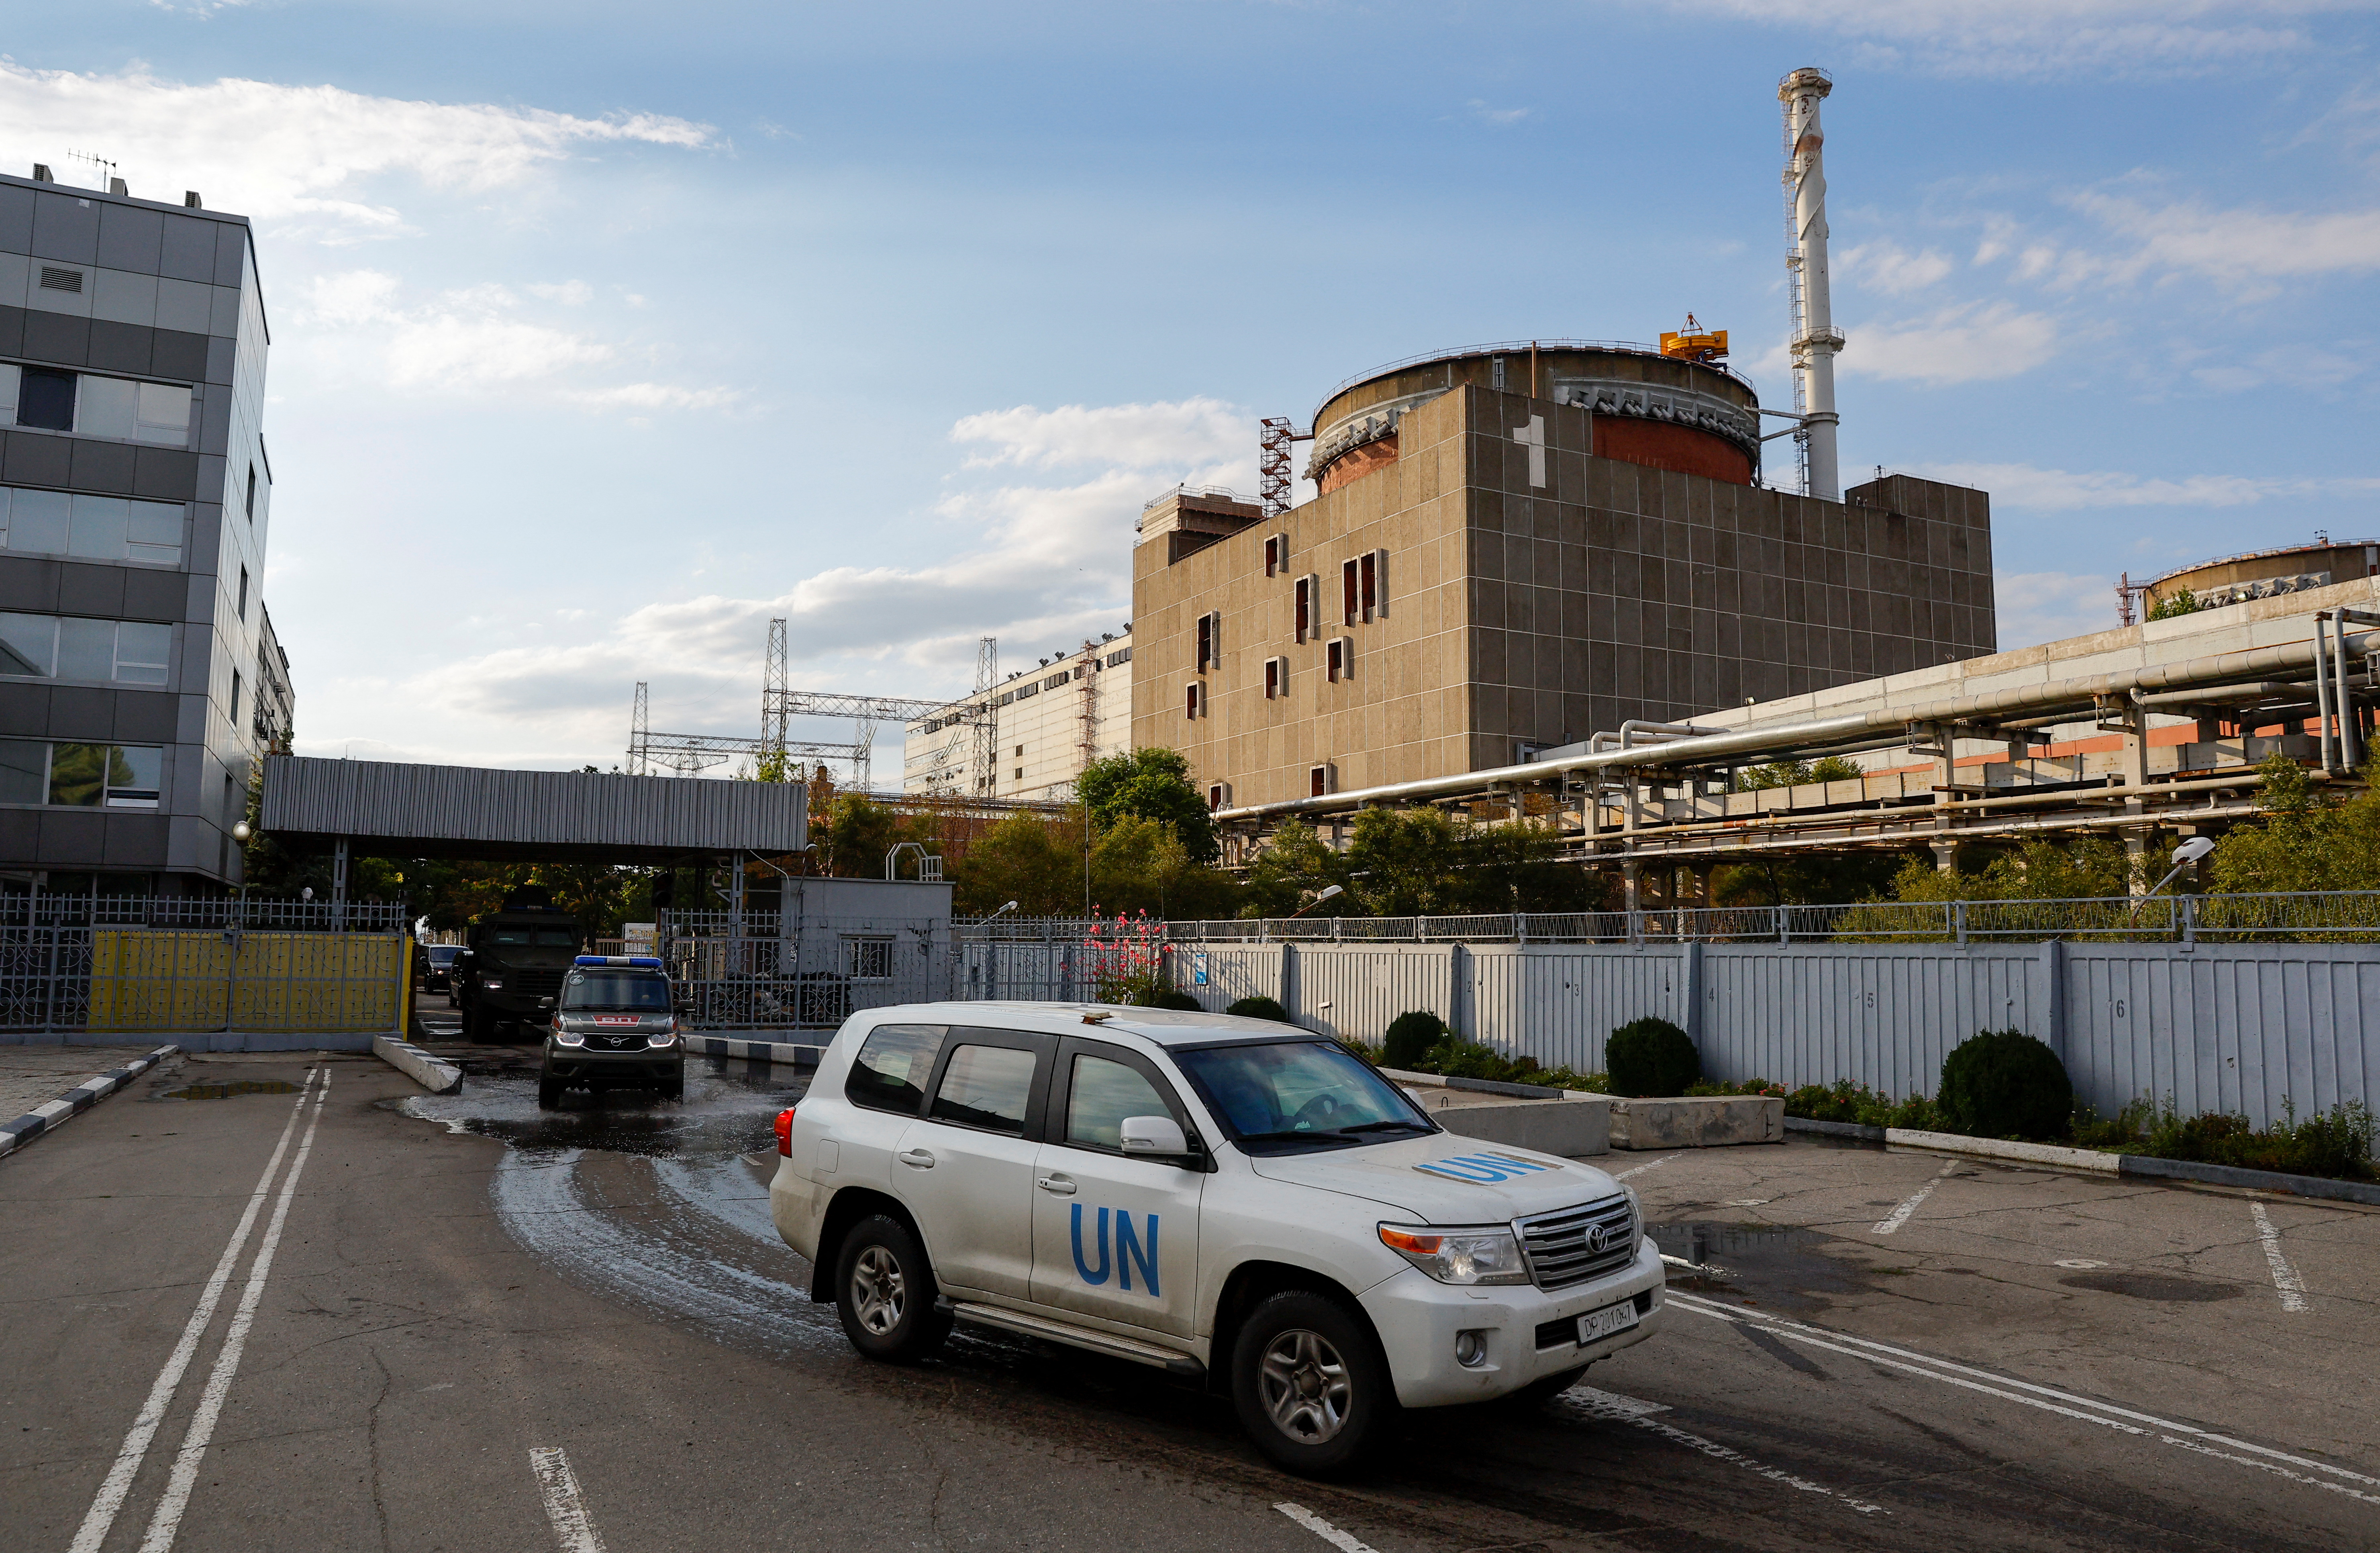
[135,689]
[2263,574]
[1047,722]
[1515,547]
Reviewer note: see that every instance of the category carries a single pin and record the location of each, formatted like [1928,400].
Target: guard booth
[833,946]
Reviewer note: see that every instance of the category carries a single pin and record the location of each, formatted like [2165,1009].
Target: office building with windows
[1515,549]
[1048,722]
[139,677]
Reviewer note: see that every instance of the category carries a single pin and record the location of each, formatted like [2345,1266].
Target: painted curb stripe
[82,1097]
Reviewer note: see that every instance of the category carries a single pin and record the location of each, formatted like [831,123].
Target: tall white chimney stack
[1815,339]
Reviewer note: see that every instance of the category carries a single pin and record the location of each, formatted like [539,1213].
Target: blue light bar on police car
[642,962]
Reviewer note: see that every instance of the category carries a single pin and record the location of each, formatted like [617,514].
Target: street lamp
[2184,856]
[1002,912]
[1328,891]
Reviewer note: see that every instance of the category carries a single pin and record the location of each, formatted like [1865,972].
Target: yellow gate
[149,978]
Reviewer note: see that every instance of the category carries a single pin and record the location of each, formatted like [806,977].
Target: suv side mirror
[1154,1134]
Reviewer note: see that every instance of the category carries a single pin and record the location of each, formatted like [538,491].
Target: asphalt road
[486,1327]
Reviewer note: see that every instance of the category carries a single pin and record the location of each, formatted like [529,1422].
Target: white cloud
[2038,489]
[1497,117]
[2240,245]
[1132,436]
[1969,342]
[1884,265]
[2036,607]
[1046,567]
[280,153]
[653,396]
[2047,38]
[570,294]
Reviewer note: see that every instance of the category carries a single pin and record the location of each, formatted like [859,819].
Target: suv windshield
[443,953]
[642,991]
[543,937]
[1294,1096]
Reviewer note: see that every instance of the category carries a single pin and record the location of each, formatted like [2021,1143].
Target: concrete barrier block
[433,1073]
[1566,1127]
[1697,1122]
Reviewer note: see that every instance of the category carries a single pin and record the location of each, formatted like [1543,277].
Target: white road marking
[1899,1216]
[2284,1277]
[566,1507]
[2080,1264]
[1609,1404]
[1649,1165]
[1747,1202]
[1736,1457]
[167,1522]
[2107,1414]
[1323,1529]
[110,1499]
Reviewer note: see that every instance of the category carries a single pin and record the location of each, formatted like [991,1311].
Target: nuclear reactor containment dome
[1691,417]
[2262,574]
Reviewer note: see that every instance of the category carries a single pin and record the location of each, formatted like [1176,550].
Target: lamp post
[1327,891]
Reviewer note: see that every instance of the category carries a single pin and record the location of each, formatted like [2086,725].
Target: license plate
[1596,1325]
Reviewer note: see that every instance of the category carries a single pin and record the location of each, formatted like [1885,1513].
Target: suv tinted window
[891,1069]
[1104,1092]
[986,1086]
[556,938]
[639,990]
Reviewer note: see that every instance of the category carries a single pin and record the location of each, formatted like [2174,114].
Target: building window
[869,958]
[1308,593]
[1276,555]
[81,775]
[90,527]
[1321,781]
[1210,649]
[1193,700]
[243,593]
[1359,582]
[48,646]
[1030,688]
[1375,585]
[1218,793]
[251,491]
[1339,659]
[1276,678]
[234,697]
[1350,593]
[1120,656]
[1020,773]
[1020,752]
[92,405]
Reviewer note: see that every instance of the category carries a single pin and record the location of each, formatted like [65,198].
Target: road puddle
[1780,1266]
[730,1108]
[226,1091]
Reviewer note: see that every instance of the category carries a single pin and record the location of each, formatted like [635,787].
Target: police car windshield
[1296,1096]
[641,992]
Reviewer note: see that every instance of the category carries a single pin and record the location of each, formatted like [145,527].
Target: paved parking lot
[481,1326]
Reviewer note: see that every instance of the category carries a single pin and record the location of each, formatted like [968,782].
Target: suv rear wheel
[1308,1383]
[884,1291]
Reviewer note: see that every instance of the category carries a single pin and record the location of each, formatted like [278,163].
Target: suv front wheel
[1308,1383]
[884,1291]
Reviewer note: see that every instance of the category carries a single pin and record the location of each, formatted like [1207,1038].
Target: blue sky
[602,333]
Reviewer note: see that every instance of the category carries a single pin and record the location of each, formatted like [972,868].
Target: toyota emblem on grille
[1601,1237]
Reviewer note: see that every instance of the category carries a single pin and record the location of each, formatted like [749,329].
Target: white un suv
[1238,1202]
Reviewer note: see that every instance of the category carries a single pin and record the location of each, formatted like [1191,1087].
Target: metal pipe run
[2322,694]
[2226,697]
[1824,734]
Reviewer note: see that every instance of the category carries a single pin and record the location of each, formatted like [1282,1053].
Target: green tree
[2307,840]
[1291,871]
[1806,879]
[1025,858]
[1796,773]
[2181,600]
[2040,870]
[854,833]
[1150,784]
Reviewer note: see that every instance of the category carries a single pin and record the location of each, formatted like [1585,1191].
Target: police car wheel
[1308,1384]
[884,1291]
[549,1093]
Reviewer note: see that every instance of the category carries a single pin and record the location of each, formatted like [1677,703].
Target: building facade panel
[1526,592]
[132,346]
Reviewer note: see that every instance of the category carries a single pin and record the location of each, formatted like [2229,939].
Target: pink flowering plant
[1128,958]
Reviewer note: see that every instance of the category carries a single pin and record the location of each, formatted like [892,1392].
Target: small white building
[1047,722]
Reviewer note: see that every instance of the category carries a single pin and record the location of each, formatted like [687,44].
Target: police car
[614,1026]
[1240,1202]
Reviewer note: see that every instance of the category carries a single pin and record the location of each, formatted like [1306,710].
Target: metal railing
[167,963]
[2335,914]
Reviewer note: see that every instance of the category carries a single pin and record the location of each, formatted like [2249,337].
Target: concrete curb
[1491,1086]
[2149,1165]
[1835,1129]
[791,1053]
[2089,1160]
[433,1073]
[82,1097]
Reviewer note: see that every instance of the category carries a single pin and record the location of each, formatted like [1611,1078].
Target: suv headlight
[1466,1253]
[568,1037]
[491,984]
[665,1036]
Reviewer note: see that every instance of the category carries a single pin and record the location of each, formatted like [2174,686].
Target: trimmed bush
[1260,1008]
[1168,998]
[2004,1084]
[1651,1056]
[1410,1038]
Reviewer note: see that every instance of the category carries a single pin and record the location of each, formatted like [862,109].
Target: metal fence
[2342,916]
[82,965]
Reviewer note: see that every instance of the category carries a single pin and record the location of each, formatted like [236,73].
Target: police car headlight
[662,1037]
[1481,1253]
[568,1037]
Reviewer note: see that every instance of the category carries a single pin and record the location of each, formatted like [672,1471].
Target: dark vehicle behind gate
[511,972]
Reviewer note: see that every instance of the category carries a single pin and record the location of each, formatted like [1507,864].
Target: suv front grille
[1574,1244]
[535,981]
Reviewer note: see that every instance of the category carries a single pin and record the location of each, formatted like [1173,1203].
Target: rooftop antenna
[101,169]
[1814,338]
